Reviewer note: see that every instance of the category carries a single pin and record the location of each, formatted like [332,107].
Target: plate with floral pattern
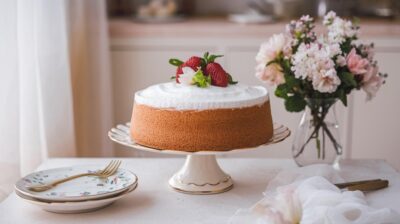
[76,206]
[80,189]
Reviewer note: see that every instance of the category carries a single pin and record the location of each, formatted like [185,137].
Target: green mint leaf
[173,77]
[200,80]
[295,103]
[175,62]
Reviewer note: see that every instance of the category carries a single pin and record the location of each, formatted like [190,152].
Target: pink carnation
[356,64]
[372,82]
[372,71]
[372,86]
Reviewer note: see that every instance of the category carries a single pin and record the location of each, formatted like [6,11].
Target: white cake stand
[201,173]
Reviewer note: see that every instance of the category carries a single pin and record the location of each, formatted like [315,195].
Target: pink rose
[356,64]
[271,74]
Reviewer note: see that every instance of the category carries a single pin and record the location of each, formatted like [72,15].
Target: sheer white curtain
[91,79]
[55,96]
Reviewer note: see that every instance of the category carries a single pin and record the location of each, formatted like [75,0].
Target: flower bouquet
[312,72]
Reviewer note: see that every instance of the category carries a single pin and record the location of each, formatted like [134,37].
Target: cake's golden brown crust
[204,130]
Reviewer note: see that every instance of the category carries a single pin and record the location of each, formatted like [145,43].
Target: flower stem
[319,112]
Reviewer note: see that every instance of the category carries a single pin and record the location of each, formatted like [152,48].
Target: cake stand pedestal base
[201,174]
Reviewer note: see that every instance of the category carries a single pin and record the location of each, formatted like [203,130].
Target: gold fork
[109,170]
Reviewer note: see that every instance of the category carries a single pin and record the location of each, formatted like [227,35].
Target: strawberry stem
[230,79]
[203,63]
[206,56]
[212,58]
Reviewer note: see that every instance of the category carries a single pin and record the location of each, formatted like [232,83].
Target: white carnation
[329,17]
[340,29]
[270,50]
[341,61]
[314,63]
[333,49]
[326,82]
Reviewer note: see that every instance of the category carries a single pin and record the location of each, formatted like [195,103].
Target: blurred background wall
[140,50]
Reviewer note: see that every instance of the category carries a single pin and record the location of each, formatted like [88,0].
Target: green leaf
[281,91]
[295,103]
[175,62]
[230,80]
[291,80]
[200,80]
[348,79]
[287,66]
[342,96]
[173,77]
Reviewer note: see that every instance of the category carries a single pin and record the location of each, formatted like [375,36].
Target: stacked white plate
[83,194]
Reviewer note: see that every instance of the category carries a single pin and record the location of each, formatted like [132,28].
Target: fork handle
[57,182]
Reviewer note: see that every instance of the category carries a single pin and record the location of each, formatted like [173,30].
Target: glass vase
[316,140]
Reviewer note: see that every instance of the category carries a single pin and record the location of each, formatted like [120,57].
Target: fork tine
[110,164]
[111,168]
[114,168]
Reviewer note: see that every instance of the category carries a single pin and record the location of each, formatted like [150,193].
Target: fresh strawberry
[178,73]
[213,70]
[218,75]
[193,62]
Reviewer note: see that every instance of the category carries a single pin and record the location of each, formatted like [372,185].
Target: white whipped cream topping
[188,97]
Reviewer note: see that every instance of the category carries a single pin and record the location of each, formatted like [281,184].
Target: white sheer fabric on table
[307,195]
[54,83]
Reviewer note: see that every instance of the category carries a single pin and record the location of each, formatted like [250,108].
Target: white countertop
[155,202]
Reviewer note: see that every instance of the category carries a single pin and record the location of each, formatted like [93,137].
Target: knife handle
[369,186]
[347,184]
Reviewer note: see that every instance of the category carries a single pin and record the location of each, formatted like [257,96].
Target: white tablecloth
[155,202]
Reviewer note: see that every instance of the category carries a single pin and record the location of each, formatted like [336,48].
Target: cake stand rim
[130,143]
